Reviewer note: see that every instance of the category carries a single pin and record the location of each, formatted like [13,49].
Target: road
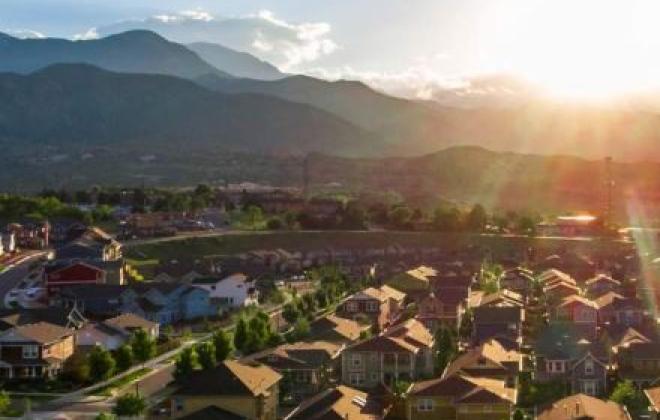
[15,273]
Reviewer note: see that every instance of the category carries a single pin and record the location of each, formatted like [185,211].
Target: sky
[576,48]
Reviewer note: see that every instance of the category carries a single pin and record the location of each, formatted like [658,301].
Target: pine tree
[222,344]
[241,335]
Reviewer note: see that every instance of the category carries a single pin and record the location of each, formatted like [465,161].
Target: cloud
[289,46]
[91,33]
[25,33]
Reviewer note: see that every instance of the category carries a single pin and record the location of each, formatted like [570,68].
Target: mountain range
[237,63]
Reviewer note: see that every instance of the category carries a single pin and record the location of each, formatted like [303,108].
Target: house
[97,301]
[502,298]
[630,312]
[580,311]
[488,360]
[114,332]
[414,280]
[341,402]
[167,303]
[640,363]
[519,280]
[653,395]
[30,234]
[583,407]
[35,350]
[563,354]
[619,337]
[93,244]
[498,322]
[460,397]
[404,352]
[601,284]
[305,366]
[69,273]
[556,291]
[605,303]
[248,390]
[66,230]
[232,291]
[380,306]
[338,330]
[67,318]
[555,276]
[445,309]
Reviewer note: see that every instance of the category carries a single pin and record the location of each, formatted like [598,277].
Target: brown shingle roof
[40,332]
[230,378]
[491,354]
[333,325]
[584,407]
[340,402]
[466,389]
[130,321]
[409,336]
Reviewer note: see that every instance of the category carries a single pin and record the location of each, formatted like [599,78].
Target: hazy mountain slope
[237,63]
[72,106]
[414,128]
[131,52]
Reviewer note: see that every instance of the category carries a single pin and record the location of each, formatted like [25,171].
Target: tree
[477,218]
[447,220]
[290,313]
[446,346]
[626,394]
[144,347]
[76,368]
[206,353]
[258,333]
[101,364]
[301,330]
[222,344]
[253,216]
[124,357]
[241,335]
[104,416]
[186,363]
[518,415]
[400,217]
[4,401]
[130,405]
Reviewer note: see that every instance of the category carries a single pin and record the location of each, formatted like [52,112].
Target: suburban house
[555,276]
[404,352]
[488,360]
[640,363]
[415,280]
[67,318]
[562,353]
[460,397]
[630,312]
[114,332]
[232,291]
[502,322]
[340,402]
[75,272]
[601,284]
[605,303]
[502,298]
[305,367]
[66,230]
[580,311]
[556,291]
[244,389]
[653,395]
[581,406]
[338,330]
[618,337]
[164,303]
[381,306]
[35,350]
[93,244]
[445,309]
[30,234]
[519,280]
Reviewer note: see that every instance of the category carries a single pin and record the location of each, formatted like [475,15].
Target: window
[30,352]
[372,306]
[356,379]
[424,404]
[589,387]
[589,366]
[351,306]
[356,360]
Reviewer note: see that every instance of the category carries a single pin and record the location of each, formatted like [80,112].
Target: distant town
[264,303]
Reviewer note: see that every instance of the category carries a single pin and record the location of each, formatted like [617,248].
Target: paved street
[10,278]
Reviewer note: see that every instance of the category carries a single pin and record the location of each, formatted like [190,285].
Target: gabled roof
[58,316]
[341,402]
[489,355]
[608,299]
[230,378]
[506,296]
[129,321]
[553,275]
[581,406]
[382,294]
[307,355]
[40,332]
[602,278]
[623,336]
[332,326]
[576,299]
[466,389]
[409,336]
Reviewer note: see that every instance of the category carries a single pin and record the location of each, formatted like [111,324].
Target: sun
[587,49]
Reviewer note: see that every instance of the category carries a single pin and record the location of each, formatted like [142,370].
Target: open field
[228,244]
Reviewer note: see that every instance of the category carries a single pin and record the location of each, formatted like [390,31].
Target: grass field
[293,241]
